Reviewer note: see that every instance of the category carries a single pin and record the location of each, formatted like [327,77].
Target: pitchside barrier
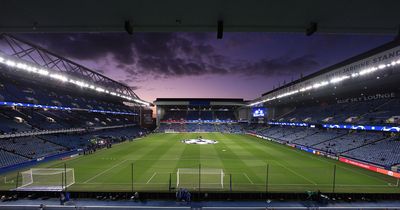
[274,177]
[235,176]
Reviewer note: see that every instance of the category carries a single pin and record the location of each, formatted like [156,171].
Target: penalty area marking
[245,175]
[103,172]
[248,178]
[340,166]
[294,172]
[148,181]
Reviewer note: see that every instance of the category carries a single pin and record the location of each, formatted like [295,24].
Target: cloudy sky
[241,65]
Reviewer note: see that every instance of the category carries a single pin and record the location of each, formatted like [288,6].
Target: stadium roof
[18,50]
[332,16]
[382,59]
[351,60]
[199,102]
[201,99]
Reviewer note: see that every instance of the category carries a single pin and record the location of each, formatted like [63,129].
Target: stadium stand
[385,152]
[347,142]
[366,112]
[41,118]
[374,147]
[319,137]
[31,147]
[201,127]
[9,159]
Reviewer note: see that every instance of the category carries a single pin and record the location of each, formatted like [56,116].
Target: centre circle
[199,140]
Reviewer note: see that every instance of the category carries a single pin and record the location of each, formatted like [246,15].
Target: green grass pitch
[242,158]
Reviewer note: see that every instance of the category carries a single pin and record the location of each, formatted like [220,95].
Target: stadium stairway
[24,125]
[287,113]
[329,139]
[365,144]
[375,109]
[16,153]
[44,139]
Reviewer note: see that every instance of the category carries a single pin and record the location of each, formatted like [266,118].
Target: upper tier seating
[366,112]
[28,120]
[385,152]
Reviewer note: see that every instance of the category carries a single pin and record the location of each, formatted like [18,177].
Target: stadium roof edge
[200,99]
[348,61]
[237,102]
[4,36]
[57,55]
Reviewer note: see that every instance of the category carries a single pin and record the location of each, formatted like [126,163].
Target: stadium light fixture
[59,77]
[128,27]
[47,72]
[43,72]
[339,79]
[46,107]
[220,29]
[320,84]
[10,63]
[311,29]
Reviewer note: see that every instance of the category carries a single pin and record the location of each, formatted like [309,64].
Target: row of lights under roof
[332,81]
[63,78]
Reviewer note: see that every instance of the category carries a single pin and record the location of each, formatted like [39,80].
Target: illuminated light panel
[339,79]
[5,103]
[43,72]
[11,63]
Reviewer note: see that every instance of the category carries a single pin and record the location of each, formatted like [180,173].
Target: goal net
[46,179]
[170,131]
[205,178]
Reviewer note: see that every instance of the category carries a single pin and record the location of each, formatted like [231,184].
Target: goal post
[207,178]
[6,180]
[46,179]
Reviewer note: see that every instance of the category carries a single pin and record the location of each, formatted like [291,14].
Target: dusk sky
[241,65]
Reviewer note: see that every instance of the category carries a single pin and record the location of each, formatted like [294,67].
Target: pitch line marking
[103,172]
[294,172]
[151,177]
[345,168]
[349,169]
[248,178]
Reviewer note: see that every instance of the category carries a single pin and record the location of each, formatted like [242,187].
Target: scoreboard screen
[259,112]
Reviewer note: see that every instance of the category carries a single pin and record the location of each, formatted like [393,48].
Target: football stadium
[72,137]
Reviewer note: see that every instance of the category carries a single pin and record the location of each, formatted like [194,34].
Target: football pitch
[240,163]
